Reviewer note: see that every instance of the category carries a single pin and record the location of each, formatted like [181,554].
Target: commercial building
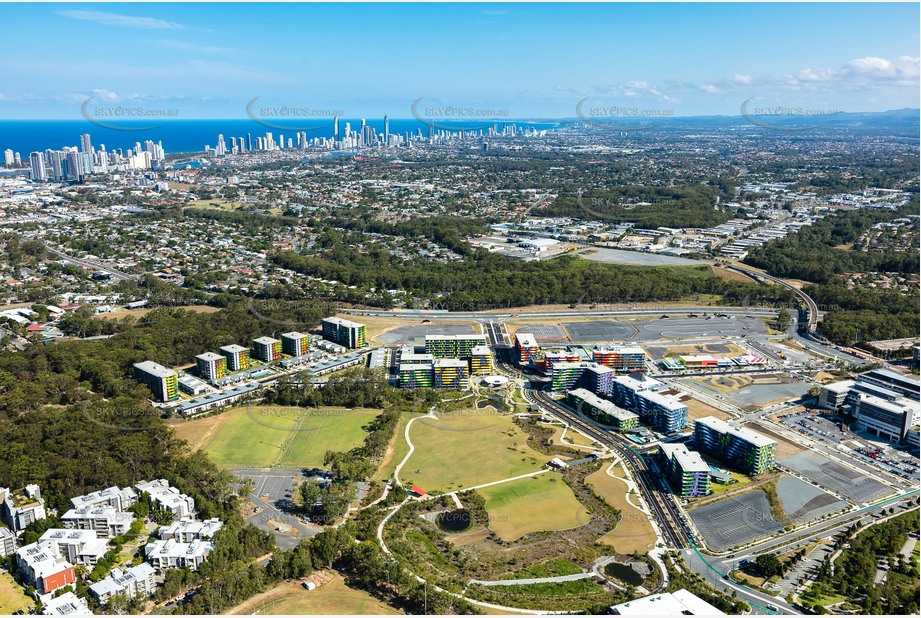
[167,498]
[211,366]
[678,603]
[21,508]
[451,373]
[68,604]
[906,386]
[698,361]
[267,349]
[295,344]
[106,521]
[137,581]
[481,361]
[237,357]
[686,470]
[453,346]
[889,419]
[554,357]
[526,347]
[344,332]
[743,449]
[620,358]
[416,375]
[833,396]
[162,382]
[601,410]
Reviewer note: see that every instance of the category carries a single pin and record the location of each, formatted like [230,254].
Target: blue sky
[520,60]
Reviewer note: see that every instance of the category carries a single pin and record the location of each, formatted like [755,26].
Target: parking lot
[272,492]
[415,334]
[834,431]
[599,332]
[735,521]
[836,476]
[546,333]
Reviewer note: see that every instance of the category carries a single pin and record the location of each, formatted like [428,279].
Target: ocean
[26,136]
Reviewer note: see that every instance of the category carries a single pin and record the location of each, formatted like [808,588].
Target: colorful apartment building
[686,470]
[451,373]
[453,346]
[620,358]
[211,366]
[295,344]
[344,332]
[237,357]
[481,361]
[267,349]
[526,348]
[597,378]
[743,449]
[601,410]
[415,375]
[565,376]
[552,357]
[640,393]
[162,382]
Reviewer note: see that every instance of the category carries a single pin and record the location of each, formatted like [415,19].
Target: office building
[453,346]
[344,332]
[888,419]
[741,448]
[451,373]
[211,366]
[620,358]
[266,349]
[526,348]
[833,396]
[294,343]
[21,508]
[416,375]
[906,386]
[237,357]
[162,382]
[686,470]
[601,410]
[481,362]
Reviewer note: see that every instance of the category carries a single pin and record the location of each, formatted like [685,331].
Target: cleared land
[467,448]
[140,313]
[785,446]
[633,532]
[543,502]
[699,409]
[718,349]
[331,599]
[12,597]
[263,436]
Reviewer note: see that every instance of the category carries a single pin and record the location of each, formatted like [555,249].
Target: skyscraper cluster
[71,164]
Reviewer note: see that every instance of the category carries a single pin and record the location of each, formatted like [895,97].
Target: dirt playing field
[140,313]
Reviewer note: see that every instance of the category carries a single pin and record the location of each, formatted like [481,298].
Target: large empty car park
[414,334]
[735,520]
[836,476]
[599,331]
[804,502]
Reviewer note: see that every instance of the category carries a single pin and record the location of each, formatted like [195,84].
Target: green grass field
[542,502]
[464,450]
[398,452]
[12,597]
[263,436]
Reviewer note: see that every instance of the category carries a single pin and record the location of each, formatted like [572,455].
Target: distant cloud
[904,70]
[494,12]
[194,47]
[127,21]
[742,79]
[710,88]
